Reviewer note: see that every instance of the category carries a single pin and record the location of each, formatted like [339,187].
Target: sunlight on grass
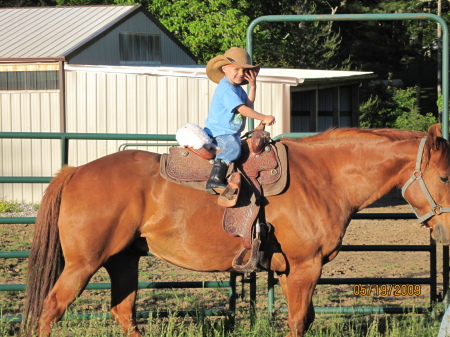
[326,325]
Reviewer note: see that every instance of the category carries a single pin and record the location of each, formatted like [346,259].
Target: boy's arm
[250,113]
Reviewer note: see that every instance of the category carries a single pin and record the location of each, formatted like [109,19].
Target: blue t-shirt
[223,117]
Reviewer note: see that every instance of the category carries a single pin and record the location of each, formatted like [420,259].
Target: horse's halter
[417,175]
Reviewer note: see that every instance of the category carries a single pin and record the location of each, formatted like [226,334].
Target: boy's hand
[268,120]
[250,76]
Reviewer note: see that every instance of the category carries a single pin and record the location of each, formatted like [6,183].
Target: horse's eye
[445,179]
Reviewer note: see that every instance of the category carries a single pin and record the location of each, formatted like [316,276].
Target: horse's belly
[195,257]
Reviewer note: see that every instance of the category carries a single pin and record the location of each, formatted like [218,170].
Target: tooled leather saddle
[263,171]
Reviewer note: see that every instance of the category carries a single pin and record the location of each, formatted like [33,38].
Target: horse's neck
[359,173]
[377,170]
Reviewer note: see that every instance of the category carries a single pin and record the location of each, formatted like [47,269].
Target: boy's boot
[216,183]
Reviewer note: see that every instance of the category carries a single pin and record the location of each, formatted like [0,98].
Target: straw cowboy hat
[234,55]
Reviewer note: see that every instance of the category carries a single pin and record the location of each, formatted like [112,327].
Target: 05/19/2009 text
[387,289]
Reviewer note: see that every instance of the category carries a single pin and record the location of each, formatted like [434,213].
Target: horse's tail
[46,258]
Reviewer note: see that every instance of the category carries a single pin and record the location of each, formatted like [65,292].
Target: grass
[325,326]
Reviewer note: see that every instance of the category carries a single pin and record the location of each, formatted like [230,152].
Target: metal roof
[56,32]
[292,77]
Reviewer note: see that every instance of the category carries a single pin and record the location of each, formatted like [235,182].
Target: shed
[110,35]
[301,100]
[40,41]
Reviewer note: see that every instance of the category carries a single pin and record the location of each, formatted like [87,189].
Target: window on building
[303,107]
[325,113]
[300,111]
[29,80]
[345,106]
[139,48]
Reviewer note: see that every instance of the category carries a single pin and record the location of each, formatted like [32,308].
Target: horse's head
[428,189]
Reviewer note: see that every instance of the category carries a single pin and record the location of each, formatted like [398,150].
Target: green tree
[414,121]
[207,28]
[300,44]
[394,108]
[26,3]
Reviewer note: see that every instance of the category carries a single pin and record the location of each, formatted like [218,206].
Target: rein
[417,175]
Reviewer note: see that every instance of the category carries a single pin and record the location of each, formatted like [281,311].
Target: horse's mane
[383,135]
[392,135]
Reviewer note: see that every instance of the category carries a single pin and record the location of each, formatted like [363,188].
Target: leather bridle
[417,176]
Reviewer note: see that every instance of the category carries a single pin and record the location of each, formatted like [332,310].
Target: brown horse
[110,211]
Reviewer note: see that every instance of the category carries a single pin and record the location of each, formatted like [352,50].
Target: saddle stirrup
[229,197]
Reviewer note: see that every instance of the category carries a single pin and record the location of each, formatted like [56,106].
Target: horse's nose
[440,234]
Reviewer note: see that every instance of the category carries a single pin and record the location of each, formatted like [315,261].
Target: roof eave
[312,81]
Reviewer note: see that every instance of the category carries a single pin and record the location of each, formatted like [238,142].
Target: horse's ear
[434,133]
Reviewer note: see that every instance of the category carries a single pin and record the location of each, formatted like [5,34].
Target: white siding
[274,99]
[145,104]
[133,104]
[24,111]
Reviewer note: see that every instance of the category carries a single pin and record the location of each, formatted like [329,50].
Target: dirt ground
[382,264]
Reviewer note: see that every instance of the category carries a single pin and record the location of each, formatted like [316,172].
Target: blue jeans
[230,146]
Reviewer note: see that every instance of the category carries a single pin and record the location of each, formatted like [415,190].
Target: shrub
[9,207]
[389,107]
[414,121]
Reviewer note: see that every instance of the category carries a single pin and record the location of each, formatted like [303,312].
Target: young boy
[229,108]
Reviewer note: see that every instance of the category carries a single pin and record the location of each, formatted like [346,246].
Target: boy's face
[234,74]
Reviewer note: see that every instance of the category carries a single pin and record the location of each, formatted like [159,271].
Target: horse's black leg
[123,270]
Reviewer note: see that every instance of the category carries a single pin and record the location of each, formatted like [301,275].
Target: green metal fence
[370,17]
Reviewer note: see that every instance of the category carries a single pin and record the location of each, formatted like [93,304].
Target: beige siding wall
[143,104]
[24,111]
[274,99]
[135,104]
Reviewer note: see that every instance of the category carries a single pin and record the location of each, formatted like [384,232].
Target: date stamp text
[387,289]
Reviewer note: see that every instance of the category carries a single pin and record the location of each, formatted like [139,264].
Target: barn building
[116,69]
